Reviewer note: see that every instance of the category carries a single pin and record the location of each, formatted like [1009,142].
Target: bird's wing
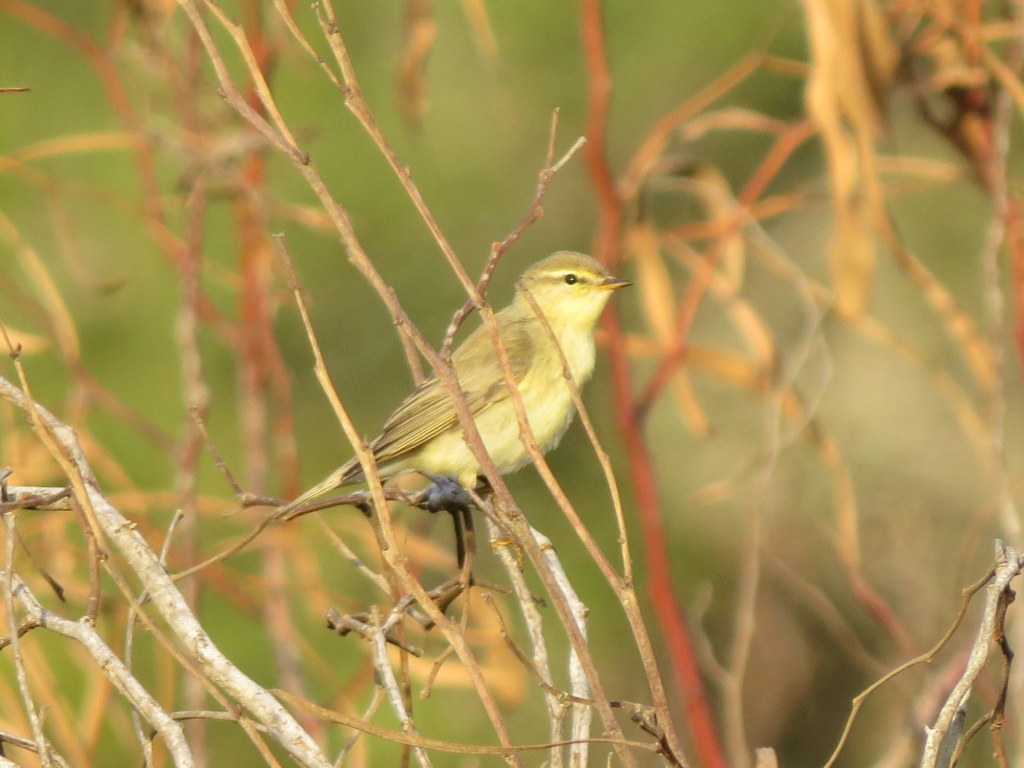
[429,411]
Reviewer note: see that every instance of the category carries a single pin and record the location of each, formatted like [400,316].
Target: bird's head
[570,288]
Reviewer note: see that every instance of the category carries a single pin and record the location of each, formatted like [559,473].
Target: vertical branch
[599,87]
[390,550]
[18,660]
[582,714]
[1008,566]
[744,612]
[196,397]
[996,175]
[535,629]
[390,684]
[606,249]
[129,646]
[1004,222]
[265,389]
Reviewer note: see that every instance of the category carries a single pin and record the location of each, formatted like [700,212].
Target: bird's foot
[443,495]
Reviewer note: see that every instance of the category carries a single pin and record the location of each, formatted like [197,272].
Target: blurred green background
[475,158]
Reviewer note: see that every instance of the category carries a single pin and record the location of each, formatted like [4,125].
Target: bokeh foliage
[900,426]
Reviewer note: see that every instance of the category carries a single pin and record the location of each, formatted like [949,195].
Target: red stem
[606,249]
[700,723]
[1015,248]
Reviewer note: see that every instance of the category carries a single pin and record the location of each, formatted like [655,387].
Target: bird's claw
[444,495]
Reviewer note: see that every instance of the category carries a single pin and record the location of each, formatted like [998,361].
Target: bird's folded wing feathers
[429,411]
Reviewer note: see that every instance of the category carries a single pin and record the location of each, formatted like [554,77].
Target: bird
[424,434]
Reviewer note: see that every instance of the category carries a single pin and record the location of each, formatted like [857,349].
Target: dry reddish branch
[784,146]
[659,580]
[1015,246]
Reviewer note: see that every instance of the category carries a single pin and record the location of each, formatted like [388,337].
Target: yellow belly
[549,409]
[448,454]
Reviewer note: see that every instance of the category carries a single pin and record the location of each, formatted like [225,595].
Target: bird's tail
[344,475]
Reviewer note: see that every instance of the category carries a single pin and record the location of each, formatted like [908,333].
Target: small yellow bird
[423,435]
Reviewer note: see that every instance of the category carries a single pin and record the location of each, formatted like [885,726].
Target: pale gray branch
[1008,565]
[378,642]
[170,603]
[535,629]
[582,714]
[42,748]
[113,669]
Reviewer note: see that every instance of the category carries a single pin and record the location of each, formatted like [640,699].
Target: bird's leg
[468,545]
[446,494]
[459,526]
[483,487]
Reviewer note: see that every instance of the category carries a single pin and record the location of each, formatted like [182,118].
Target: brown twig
[924,658]
[528,665]
[498,250]
[388,544]
[34,498]
[400,737]
[371,709]
[219,462]
[607,245]
[345,624]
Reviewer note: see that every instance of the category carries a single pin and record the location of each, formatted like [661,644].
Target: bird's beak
[611,283]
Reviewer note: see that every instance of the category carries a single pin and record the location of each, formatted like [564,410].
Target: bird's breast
[578,348]
[548,398]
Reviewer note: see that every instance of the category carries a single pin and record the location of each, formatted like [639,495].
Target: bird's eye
[571,279]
